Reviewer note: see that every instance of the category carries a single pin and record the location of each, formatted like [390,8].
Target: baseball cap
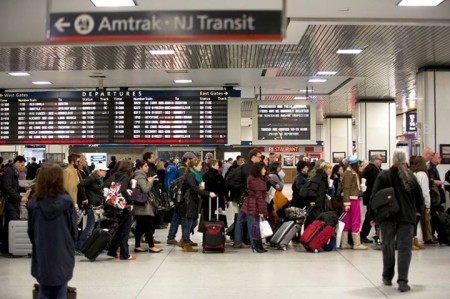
[189,155]
[101,167]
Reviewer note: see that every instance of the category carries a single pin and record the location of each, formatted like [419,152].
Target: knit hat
[352,160]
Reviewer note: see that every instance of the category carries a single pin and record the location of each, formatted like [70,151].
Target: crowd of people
[247,186]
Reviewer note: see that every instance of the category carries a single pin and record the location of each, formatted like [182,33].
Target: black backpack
[233,180]
[309,190]
[176,190]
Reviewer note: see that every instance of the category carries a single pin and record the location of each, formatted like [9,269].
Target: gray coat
[148,209]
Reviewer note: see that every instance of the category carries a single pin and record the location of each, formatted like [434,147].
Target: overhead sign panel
[265,25]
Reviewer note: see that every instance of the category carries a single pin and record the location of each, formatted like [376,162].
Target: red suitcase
[316,235]
[214,235]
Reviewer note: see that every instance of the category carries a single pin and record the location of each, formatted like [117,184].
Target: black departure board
[117,117]
[284,121]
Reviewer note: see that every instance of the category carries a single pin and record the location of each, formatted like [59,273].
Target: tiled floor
[241,274]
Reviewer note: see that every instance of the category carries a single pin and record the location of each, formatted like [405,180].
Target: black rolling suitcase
[97,242]
[214,235]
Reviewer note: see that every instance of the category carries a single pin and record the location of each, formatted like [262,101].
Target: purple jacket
[255,202]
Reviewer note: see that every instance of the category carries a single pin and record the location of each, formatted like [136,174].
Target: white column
[433,111]
[338,136]
[376,128]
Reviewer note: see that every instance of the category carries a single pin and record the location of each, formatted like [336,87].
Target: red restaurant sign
[284,149]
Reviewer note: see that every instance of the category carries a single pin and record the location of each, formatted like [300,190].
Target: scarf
[198,176]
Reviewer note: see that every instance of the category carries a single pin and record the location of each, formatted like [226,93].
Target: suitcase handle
[217,208]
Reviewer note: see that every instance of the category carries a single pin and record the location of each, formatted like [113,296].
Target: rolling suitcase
[18,241]
[97,242]
[285,233]
[316,235]
[214,235]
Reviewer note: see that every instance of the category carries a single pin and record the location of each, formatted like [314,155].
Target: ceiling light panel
[113,3]
[420,2]
[317,80]
[41,82]
[182,81]
[326,73]
[19,74]
[349,51]
[162,52]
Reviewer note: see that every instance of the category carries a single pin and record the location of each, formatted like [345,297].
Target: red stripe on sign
[198,38]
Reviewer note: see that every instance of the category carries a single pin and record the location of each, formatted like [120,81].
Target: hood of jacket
[139,174]
[52,207]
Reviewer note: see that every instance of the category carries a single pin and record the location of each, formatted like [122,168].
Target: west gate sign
[166,26]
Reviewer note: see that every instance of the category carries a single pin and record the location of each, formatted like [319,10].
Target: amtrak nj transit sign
[264,25]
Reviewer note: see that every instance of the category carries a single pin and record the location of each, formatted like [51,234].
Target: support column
[376,128]
[338,137]
[433,111]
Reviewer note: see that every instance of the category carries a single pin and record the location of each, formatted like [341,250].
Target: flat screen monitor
[284,122]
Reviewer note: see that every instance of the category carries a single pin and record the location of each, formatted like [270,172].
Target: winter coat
[142,182]
[214,182]
[10,188]
[300,180]
[370,173]
[52,228]
[350,185]
[191,204]
[255,202]
[410,202]
[91,189]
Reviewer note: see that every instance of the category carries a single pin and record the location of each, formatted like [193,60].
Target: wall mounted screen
[284,122]
[117,117]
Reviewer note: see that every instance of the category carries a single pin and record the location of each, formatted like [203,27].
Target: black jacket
[192,193]
[370,173]
[52,228]
[91,189]
[32,170]
[214,182]
[410,202]
[297,201]
[10,188]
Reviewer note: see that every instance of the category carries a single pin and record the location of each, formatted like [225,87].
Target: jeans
[187,227]
[250,220]
[404,233]
[88,230]
[173,229]
[53,292]
[239,228]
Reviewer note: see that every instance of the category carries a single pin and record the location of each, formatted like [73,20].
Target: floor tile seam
[154,272]
[367,278]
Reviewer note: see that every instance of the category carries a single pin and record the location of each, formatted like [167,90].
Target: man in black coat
[370,173]
[399,229]
[32,169]
[11,194]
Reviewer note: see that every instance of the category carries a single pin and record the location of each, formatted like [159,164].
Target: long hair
[192,163]
[126,167]
[419,164]
[400,159]
[49,181]
[256,169]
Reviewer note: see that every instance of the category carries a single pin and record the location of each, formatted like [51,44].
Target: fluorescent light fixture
[41,82]
[181,81]
[162,52]
[317,80]
[113,3]
[300,98]
[420,2]
[326,73]
[19,74]
[304,90]
[349,51]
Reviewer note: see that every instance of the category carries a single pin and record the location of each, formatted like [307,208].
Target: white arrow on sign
[60,24]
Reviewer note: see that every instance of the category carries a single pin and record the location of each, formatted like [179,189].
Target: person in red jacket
[255,205]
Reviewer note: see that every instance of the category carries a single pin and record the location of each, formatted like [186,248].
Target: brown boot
[357,243]
[344,241]
[180,243]
[416,245]
[188,248]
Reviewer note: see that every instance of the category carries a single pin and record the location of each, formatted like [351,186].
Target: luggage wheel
[316,250]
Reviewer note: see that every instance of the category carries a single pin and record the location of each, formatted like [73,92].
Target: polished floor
[239,273]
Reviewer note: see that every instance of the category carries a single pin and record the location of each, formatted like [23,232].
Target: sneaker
[172,242]
[78,253]
[403,286]
[365,240]
[387,281]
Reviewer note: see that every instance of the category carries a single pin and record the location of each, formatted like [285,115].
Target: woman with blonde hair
[52,228]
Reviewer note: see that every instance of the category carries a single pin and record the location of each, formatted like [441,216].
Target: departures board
[114,117]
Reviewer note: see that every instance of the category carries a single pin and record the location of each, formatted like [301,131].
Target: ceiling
[396,43]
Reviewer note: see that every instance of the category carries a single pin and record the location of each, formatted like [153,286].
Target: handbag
[242,197]
[385,205]
[154,200]
[99,213]
[139,197]
[279,200]
[256,230]
[71,292]
[265,229]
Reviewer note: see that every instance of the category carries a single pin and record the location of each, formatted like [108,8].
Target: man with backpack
[176,219]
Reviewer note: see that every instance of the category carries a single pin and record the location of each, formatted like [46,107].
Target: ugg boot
[188,248]
[357,243]
[417,244]
[344,241]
